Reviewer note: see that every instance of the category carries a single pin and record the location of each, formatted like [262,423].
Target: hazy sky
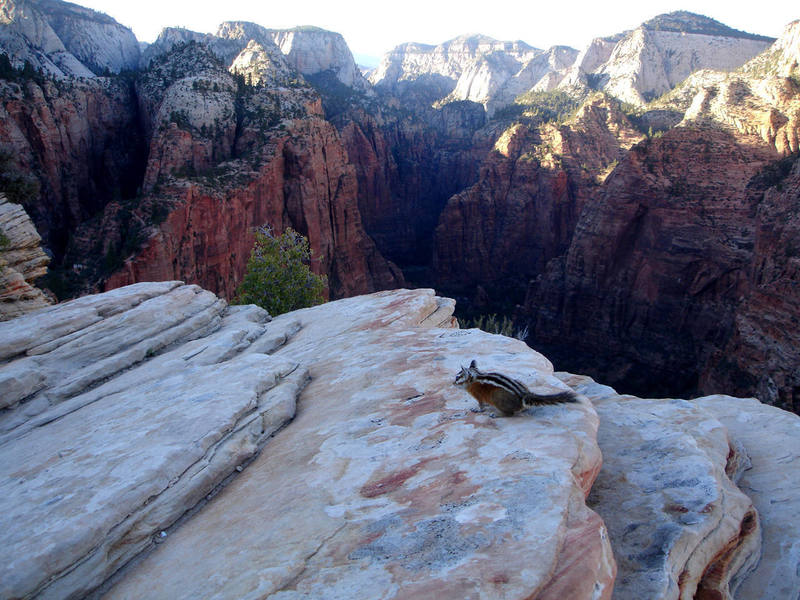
[372,28]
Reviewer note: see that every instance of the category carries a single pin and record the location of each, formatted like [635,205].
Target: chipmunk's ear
[473,365]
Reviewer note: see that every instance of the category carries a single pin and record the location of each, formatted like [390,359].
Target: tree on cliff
[278,277]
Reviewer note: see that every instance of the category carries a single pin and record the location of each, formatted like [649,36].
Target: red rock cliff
[521,213]
[677,278]
[306,183]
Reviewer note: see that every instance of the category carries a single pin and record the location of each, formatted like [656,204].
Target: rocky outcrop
[679,526]
[652,59]
[761,98]
[757,427]
[178,415]
[170,391]
[311,50]
[22,261]
[65,40]
[122,411]
[671,264]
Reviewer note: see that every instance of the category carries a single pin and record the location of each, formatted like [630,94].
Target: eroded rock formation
[65,40]
[22,261]
[693,494]
[666,261]
[180,389]
[502,231]
[327,453]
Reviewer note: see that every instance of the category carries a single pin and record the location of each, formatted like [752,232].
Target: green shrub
[278,277]
[4,241]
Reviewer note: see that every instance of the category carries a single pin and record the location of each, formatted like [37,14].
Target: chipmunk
[507,395]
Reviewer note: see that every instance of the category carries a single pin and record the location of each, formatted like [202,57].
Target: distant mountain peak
[682,21]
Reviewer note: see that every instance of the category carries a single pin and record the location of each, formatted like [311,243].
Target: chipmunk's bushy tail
[532,399]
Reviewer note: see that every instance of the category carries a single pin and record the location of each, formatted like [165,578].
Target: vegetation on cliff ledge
[278,277]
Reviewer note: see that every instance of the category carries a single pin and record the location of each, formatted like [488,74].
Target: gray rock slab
[386,485]
[678,524]
[771,438]
[169,392]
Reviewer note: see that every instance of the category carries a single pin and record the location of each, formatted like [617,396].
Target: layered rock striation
[121,412]
[654,58]
[670,266]
[22,261]
[327,453]
[65,40]
[695,494]
[391,482]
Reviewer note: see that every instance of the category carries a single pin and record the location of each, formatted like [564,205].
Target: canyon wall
[164,173]
[668,265]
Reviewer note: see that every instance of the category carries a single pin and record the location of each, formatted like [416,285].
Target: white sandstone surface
[387,485]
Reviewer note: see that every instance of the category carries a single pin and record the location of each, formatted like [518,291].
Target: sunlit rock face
[474,68]
[66,40]
[640,65]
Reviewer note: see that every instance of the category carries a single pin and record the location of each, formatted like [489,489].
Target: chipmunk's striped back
[504,393]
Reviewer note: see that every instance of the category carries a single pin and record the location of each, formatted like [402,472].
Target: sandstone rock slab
[770,437]
[145,399]
[679,526]
[386,484]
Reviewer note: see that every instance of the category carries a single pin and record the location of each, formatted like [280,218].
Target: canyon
[630,205]
[631,208]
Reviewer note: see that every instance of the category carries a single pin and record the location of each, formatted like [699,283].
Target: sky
[373,28]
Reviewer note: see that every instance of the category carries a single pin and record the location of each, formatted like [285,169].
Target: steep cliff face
[761,354]
[503,230]
[633,66]
[474,68]
[310,50]
[303,180]
[408,168]
[662,261]
[761,98]
[227,156]
[409,62]
[80,139]
[64,39]
[214,122]
[661,53]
